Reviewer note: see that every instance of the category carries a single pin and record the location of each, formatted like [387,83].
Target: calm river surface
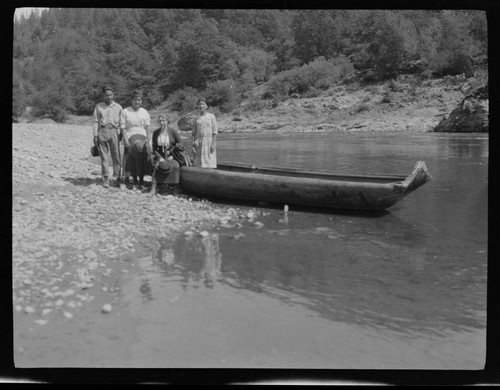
[316,289]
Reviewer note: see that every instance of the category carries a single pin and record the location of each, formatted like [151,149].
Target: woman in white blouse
[135,122]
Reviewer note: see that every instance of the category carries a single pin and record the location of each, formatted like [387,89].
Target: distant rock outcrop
[471,115]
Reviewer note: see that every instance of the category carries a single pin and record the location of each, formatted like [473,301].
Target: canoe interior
[298,173]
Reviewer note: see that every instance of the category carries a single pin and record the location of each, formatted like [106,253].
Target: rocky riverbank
[72,238]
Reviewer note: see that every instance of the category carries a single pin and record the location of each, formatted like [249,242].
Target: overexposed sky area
[26,11]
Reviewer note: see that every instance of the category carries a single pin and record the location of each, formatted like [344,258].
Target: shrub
[257,65]
[222,94]
[184,99]
[454,47]
[53,102]
[372,89]
[215,111]
[388,97]
[153,97]
[361,107]
[319,74]
[312,92]
[451,63]
[255,104]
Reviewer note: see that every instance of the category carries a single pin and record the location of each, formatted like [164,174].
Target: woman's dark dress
[172,177]
[136,158]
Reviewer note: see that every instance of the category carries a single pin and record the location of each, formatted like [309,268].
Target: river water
[328,289]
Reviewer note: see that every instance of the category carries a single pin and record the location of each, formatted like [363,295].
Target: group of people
[147,152]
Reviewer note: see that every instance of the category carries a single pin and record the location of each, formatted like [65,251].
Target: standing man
[106,129]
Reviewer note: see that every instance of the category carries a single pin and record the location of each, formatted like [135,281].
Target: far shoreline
[392,106]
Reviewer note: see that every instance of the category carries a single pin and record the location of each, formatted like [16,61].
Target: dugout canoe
[238,181]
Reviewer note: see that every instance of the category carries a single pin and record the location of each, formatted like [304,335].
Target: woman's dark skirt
[137,167]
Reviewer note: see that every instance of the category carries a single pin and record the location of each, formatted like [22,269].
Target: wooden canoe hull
[236,181]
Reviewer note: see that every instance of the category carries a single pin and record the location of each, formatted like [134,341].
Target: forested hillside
[62,57]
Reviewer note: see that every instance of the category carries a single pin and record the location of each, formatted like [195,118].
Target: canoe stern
[417,178]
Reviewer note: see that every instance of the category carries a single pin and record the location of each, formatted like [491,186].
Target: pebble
[204,233]
[41,322]
[106,308]
[89,254]
[68,315]
[258,224]
[29,310]
[67,293]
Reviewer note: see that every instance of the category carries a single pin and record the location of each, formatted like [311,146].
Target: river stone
[29,310]
[89,254]
[471,115]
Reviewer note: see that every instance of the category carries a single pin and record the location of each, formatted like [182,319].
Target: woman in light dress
[204,134]
[135,122]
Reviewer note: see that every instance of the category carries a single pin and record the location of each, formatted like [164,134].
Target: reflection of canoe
[239,181]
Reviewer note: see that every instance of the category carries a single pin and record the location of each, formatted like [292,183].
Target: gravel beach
[71,237]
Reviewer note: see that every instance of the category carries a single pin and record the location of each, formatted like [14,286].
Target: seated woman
[166,168]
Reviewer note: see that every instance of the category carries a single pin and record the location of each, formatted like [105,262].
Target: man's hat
[94,151]
[137,147]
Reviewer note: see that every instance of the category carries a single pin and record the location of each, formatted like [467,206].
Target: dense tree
[204,54]
[63,56]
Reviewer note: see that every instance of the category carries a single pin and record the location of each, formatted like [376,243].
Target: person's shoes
[117,183]
[105,183]
[134,187]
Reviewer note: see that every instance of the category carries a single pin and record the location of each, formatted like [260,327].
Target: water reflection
[212,259]
[165,255]
[421,266]
[193,260]
[417,272]
[377,272]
